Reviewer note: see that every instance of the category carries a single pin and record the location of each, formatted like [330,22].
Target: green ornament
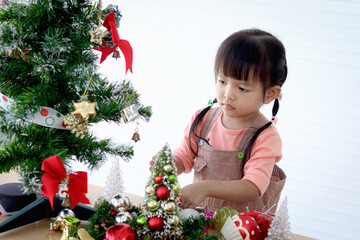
[141,220]
[172,178]
[153,205]
[221,215]
[176,188]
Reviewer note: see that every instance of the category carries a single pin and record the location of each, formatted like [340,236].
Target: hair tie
[275,110]
[211,102]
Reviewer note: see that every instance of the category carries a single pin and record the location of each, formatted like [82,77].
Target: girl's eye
[243,89]
[221,82]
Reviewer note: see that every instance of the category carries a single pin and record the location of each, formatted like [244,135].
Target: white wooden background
[174,45]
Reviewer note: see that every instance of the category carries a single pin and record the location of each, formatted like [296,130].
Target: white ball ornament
[168,168]
[189,213]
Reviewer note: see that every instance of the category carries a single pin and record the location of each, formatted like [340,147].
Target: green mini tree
[46,62]
[162,205]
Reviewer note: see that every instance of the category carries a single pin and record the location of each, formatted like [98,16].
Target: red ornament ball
[156,223]
[162,192]
[120,231]
[158,179]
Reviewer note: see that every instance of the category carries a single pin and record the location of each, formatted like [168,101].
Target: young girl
[233,148]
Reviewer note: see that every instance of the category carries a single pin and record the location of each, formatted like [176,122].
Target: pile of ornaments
[235,225]
[121,230]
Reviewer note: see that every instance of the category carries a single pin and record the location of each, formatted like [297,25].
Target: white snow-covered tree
[114,183]
[280,225]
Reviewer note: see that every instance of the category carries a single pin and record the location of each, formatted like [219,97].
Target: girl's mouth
[228,107]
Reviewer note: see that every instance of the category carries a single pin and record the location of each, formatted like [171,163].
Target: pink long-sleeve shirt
[265,152]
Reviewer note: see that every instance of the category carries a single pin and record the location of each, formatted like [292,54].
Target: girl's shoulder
[270,134]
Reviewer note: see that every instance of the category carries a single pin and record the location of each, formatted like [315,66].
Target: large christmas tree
[46,63]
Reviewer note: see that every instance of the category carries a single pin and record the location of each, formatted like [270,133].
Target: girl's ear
[272,93]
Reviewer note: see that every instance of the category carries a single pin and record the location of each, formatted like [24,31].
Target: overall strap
[209,121]
[259,121]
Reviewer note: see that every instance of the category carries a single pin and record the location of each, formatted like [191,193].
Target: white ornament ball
[189,213]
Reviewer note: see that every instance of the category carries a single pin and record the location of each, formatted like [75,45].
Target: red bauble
[120,231]
[158,179]
[162,192]
[156,223]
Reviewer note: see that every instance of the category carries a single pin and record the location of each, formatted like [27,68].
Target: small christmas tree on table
[162,204]
[280,225]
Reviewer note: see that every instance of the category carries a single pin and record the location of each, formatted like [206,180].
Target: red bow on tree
[54,173]
[124,45]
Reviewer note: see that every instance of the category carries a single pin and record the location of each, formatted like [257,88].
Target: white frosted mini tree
[114,183]
[280,225]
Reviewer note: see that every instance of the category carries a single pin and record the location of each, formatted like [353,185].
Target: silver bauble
[66,212]
[123,217]
[121,202]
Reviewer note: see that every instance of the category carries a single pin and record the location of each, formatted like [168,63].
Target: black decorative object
[12,197]
[41,209]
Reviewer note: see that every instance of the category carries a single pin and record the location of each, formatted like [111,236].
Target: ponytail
[196,122]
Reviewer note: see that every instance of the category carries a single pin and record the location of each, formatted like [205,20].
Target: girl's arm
[237,191]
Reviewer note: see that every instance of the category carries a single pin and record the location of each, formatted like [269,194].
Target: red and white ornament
[241,227]
[162,192]
[156,223]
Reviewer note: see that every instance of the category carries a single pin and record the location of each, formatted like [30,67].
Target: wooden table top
[41,229]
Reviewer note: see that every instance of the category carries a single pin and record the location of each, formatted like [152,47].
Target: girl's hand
[194,194]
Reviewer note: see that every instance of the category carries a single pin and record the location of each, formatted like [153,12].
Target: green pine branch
[47,60]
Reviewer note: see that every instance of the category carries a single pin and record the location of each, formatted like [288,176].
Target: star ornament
[84,109]
[97,36]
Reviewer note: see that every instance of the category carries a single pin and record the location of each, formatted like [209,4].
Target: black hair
[249,53]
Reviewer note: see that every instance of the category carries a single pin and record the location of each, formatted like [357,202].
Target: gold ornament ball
[176,188]
[150,190]
[174,220]
[169,207]
[168,168]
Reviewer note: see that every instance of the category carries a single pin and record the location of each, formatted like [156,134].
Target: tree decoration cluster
[160,215]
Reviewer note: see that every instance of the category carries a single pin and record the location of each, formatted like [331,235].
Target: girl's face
[240,100]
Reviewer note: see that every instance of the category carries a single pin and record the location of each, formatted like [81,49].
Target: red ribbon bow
[54,173]
[124,45]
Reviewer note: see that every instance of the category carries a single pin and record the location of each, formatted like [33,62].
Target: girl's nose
[229,92]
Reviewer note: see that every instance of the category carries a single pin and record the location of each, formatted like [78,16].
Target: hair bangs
[242,61]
